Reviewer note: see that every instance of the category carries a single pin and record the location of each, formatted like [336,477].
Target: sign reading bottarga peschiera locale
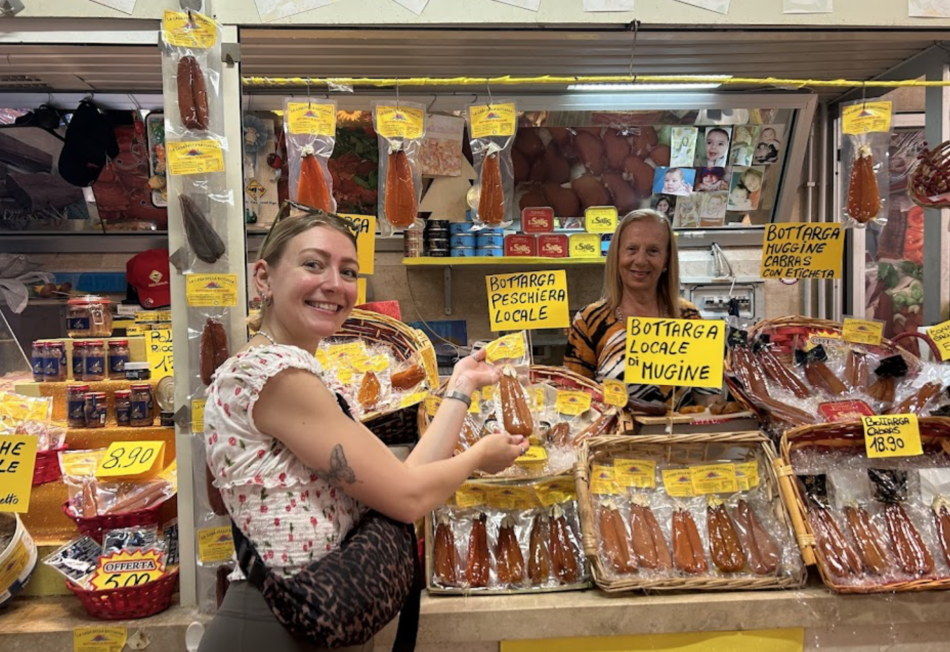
[528,300]
[678,352]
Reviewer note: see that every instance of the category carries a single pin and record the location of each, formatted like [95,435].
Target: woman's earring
[269,300]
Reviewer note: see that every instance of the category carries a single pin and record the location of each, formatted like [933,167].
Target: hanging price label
[132,459]
[896,435]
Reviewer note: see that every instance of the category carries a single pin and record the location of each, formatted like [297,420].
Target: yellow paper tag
[535,455]
[556,490]
[211,290]
[470,495]
[509,347]
[488,393]
[313,118]
[215,544]
[538,393]
[492,120]
[476,405]
[714,479]
[134,331]
[432,404]
[585,245]
[401,122]
[896,435]
[747,475]
[124,568]
[413,399]
[345,375]
[803,250]
[340,352]
[635,473]
[99,639]
[600,219]
[940,334]
[615,393]
[862,331]
[528,300]
[679,352]
[866,117]
[430,363]
[322,358]
[677,482]
[519,497]
[603,481]
[198,416]
[376,364]
[132,459]
[365,242]
[159,353]
[198,31]
[194,157]
[153,316]
[81,463]
[17,459]
[572,403]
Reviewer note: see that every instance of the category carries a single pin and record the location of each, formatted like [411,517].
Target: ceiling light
[715,81]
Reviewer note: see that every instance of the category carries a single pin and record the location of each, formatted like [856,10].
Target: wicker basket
[47,467]
[929,185]
[97,525]
[686,450]
[395,426]
[935,438]
[130,602]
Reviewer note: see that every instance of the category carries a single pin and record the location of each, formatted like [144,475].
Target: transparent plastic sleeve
[191,59]
[493,162]
[400,128]
[310,127]
[865,157]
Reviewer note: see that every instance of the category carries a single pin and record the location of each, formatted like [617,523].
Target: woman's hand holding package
[499,451]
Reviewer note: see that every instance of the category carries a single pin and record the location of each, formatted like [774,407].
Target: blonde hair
[668,286]
[279,237]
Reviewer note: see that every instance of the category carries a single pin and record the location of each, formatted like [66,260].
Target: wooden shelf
[499,260]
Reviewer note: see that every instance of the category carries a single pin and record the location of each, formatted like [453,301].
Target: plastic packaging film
[400,127]
[310,128]
[865,155]
[493,129]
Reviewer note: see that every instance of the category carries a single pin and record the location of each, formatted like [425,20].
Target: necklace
[267,336]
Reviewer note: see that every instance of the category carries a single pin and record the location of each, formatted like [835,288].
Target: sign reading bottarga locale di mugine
[679,352]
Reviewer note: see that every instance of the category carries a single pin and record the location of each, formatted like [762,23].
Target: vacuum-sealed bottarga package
[310,126]
[492,128]
[192,58]
[867,129]
[400,127]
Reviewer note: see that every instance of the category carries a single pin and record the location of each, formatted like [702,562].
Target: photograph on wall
[687,211]
[665,205]
[674,181]
[744,138]
[712,179]
[713,149]
[928,8]
[746,188]
[768,145]
[712,212]
[683,146]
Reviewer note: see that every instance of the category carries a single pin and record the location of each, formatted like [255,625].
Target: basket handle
[920,336]
[790,498]
[585,511]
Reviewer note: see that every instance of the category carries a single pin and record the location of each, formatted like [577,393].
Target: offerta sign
[678,352]
[528,300]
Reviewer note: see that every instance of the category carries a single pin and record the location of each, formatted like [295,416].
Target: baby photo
[712,179]
[714,147]
[746,189]
[683,146]
[743,144]
[687,212]
[768,145]
[713,209]
[664,204]
[674,181]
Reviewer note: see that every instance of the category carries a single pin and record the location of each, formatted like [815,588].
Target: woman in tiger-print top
[641,279]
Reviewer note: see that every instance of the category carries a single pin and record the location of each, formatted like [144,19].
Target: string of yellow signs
[508,80]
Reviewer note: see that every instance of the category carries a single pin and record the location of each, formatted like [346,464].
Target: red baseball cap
[148,275]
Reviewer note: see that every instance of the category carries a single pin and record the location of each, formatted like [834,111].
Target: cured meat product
[213,349]
[840,558]
[444,554]
[781,375]
[941,509]
[595,429]
[491,199]
[870,542]
[883,389]
[560,434]
[724,546]
[613,537]
[192,94]
[856,370]
[912,556]
[370,391]
[917,401]
[649,545]
[748,372]
[563,552]
[761,550]
[408,377]
[202,238]
[821,378]
[864,198]
[539,553]
[688,553]
[401,204]
[509,561]
[312,187]
[650,408]
[514,407]
[477,567]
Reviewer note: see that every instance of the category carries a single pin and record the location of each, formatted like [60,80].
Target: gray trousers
[245,623]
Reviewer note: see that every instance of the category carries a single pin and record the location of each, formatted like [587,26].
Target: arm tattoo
[340,472]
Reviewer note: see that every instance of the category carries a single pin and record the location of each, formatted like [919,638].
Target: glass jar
[88,317]
[95,409]
[76,405]
[55,357]
[137,371]
[123,412]
[38,359]
[94,361]
[142,406]
[118,358]
[79,352]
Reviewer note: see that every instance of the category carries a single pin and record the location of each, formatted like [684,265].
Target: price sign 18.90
[896,435]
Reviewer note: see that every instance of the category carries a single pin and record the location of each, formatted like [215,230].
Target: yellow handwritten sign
[635,473]
[528,300]
[315,118]
[99,639]
[803,250]
[132,459]
[159,353]
[211,290]
[400,122]
[365,242]
[600,219]
[125,568]
[940,334]
[493,120]
[189,29]
[194,157]
[896,435]
[862,331]
[198,416]
[615,393]
[215,544]
[679,352]
[585,245]
[360,291]
[17,459]
[866,117]
[714,479]
[677,482]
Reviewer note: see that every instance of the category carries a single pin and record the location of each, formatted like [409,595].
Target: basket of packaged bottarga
[562,409]
[797,371]
[929,185]
[685,512]
[870,524]
[383,369]
[506,536]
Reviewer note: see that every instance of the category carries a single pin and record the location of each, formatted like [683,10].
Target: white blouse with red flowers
[290,515]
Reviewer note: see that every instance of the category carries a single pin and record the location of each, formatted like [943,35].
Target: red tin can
[553,245]
[521,245]
[537,220]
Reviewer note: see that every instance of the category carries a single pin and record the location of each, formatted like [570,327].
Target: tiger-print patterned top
[596,348]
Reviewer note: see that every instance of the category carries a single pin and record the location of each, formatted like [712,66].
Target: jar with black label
[79,352]
[38,359]
[94,361]
[137,371]
[55,354]
[142,406]
[123,407]
[76,405]
[95,409]
[89,317]
[118,358]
